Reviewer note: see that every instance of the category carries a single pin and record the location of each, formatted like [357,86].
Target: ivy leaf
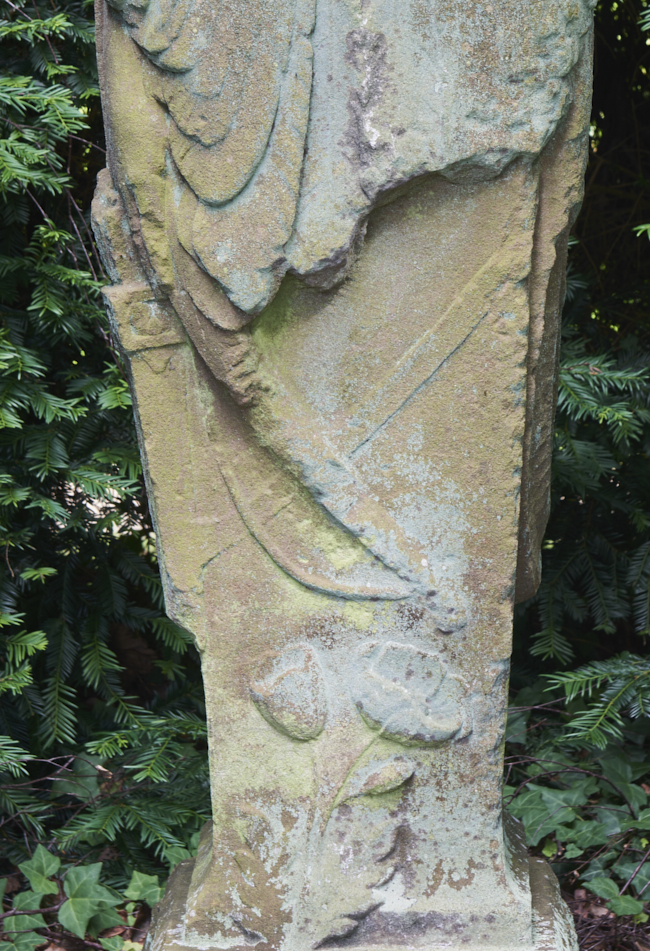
[82,780]
[105,918]
[603,887]
[176,854]
[582,789]
[86,898]
[557,799]
[610,817]
[41,867]
[25,901]
[542,812]
[640,875]
[82,881]
[75,914]
[634,795]
[616,769]
[550,848]
[589,833]
[144,888]
[572,851]
[25,938]
[112,944]
[625,905]
[516,725]
[23,942]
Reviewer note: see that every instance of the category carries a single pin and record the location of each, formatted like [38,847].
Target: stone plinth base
[552,927]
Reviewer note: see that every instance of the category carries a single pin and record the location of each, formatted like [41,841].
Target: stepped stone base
[552,922]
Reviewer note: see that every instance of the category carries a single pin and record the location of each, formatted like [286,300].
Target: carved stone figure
[336,232]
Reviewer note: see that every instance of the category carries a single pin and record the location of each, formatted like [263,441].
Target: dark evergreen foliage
[596,588]
[578,763]
[94,674]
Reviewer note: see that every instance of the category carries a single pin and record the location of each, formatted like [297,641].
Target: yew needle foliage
[102,732]
[578,764]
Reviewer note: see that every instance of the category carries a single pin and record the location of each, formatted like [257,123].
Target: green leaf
[634,794]
[86,898]
[25,901]
[83,783]
[611,817]
[542,811]
[41,867]
[617,769]
[625,905]
[549,849]
[82,881]
[572,851]
[629,868]
[112,944]
[516,726]
[176,854]
[105,918]
[603,887]
[78,549]
[144,888]
[115,396]
[75,914]
[28,900]
[26,941]
[589,833]
[557,799]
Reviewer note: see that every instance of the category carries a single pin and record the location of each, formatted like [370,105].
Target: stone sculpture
[336,232]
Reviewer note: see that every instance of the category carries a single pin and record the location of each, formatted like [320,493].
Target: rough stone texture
[337,234]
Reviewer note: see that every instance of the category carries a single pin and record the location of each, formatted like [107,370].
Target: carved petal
[408,694]
[290,693]
[383,777]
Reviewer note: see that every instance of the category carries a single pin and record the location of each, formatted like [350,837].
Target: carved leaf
[378,778]
[290,693]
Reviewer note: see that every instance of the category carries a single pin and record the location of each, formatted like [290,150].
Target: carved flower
[289,692]
[408,694]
